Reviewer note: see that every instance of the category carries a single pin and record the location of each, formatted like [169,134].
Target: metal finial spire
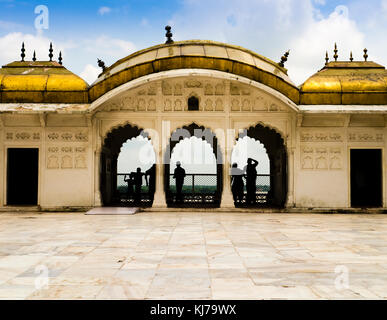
[50,52]
[23,50]
[284,58]
[351,57]
[335,51]
[101,64]
[60,59]
[34,56]
[365,55]
[326,58]
[168,35]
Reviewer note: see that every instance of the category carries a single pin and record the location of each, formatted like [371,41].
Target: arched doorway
[202,187]
[271,181]
[120,152]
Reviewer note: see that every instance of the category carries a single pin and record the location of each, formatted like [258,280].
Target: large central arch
[194,200]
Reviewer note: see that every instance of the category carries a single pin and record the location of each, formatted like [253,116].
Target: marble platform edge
[274,210]
[113,211]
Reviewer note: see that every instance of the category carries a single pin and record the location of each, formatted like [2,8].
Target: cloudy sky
[112,29]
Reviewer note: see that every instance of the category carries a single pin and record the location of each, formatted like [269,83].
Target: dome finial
[335,51]
[326,58]
[23,50]
[101,64]
[34,57]
[50,52]
[351,57]
[284,58]
[60,59]
[168,35]
[365,55]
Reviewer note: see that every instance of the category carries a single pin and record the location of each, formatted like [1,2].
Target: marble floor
[199,255]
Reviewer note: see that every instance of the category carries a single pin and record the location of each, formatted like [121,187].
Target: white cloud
[109,49]
[309,47]
[104,10]
[272,27]
[90,73]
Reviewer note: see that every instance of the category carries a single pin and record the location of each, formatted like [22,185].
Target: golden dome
[41,82]
[197,54]
[346,83]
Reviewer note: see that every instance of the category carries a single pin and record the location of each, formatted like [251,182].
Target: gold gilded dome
[195,54]
[41,82]
[346,82]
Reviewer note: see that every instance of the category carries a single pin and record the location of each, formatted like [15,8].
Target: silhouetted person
[179,176]
[151,182]
[130,182]
[138,184]
[251,180]
[237,184]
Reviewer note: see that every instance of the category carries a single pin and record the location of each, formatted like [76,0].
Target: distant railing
[124,196]
[198,189]
[263,187]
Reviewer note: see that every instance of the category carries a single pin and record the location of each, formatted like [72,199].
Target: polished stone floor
[200,255]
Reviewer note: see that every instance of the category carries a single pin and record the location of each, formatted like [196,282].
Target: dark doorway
[366,178]
[22,176]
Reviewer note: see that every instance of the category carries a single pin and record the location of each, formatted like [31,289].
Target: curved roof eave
[195,54]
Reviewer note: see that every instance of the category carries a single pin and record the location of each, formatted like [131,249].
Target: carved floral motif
[321,158]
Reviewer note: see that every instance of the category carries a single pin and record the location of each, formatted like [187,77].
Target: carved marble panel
[208,90]
[166,88]
[235,105]
[22,136]
[53,162]
[152,105]
[321,137]
[320,158]
[220,89]
[219,105]
[178,105]
[208,105]
[193,83]
[168,105]
[246,105]
[80,162]
[178,89]
[365,137]
[67,162]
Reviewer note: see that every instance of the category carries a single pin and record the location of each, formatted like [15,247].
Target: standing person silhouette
[237,184]
[130,182]
[151,174]
[251,180]
[179,176]
[138,184]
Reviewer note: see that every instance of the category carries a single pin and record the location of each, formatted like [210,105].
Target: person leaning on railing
[237,184]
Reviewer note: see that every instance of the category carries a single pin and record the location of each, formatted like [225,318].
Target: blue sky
[110,30]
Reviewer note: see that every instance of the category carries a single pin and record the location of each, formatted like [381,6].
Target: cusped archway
[207,190]
[275,147]
[122,188]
